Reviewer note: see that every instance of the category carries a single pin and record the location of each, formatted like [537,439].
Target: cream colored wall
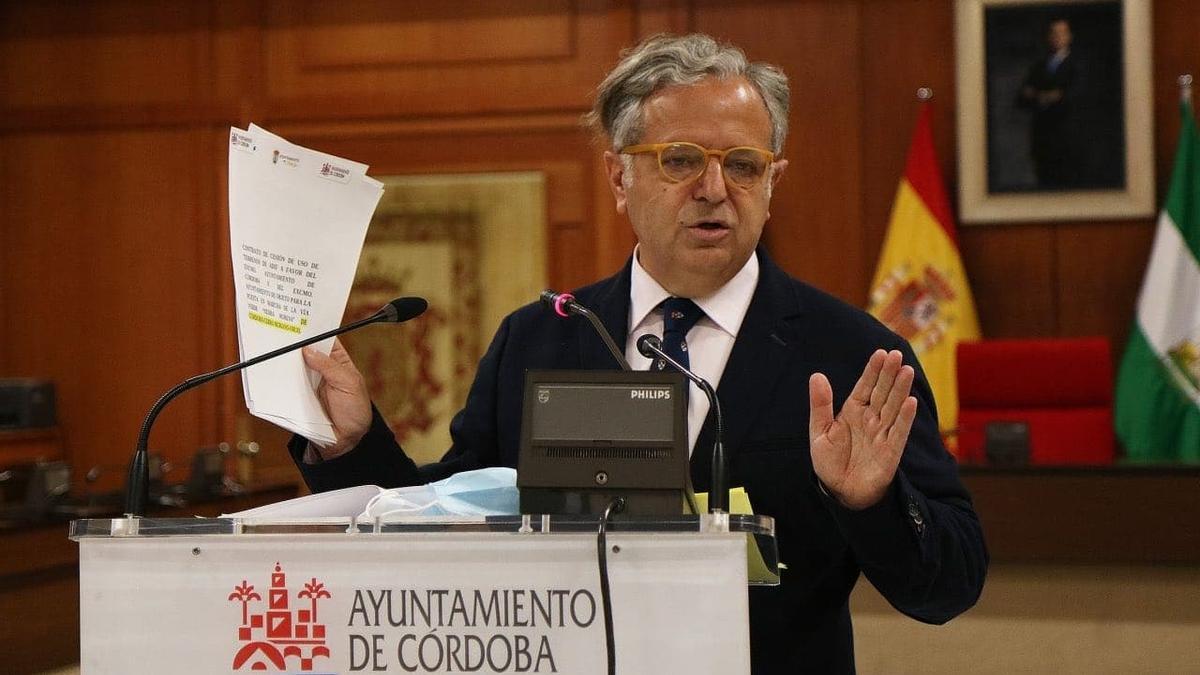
[511,212]
[1044,619]
[511,207]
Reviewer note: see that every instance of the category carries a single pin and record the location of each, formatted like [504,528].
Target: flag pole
[925,94]
[1185,88]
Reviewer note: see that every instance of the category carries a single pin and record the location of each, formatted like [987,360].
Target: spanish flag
[920,288]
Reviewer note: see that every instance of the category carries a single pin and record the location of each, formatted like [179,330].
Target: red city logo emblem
[270,639]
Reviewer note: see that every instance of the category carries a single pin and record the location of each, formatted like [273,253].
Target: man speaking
[830,425]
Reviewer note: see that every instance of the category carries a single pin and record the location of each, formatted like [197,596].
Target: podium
[512,594]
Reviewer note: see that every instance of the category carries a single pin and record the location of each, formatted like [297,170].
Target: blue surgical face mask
[484,492]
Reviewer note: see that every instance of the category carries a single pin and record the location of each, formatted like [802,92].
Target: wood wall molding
[475,125]
[150,117]
[330,113]
[452,57]
[72,54]
[108,65]
[114,115]
[373,35]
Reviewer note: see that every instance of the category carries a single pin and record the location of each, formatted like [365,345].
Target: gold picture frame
[1086,150]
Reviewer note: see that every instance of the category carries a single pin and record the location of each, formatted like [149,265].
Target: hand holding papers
[297,219]
[344,396]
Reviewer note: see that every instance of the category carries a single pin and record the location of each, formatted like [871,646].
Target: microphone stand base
[717,521]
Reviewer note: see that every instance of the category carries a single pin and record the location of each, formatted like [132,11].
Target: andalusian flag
[1158,386]
[920,289]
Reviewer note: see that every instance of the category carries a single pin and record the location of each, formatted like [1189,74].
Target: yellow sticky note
[739,503]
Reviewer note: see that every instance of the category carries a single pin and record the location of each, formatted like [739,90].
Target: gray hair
[669,60]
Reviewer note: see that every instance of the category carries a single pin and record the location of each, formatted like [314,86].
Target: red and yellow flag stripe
[920,288]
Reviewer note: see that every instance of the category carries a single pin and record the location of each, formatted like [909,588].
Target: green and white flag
[1158,386]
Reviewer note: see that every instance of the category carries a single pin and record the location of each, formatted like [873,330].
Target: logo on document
[241,141]
[281,637]
[334,172]
[278,157]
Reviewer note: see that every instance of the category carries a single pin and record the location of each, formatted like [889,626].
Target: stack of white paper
[297,220]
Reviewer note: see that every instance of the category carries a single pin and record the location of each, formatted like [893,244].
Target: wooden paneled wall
[113,117]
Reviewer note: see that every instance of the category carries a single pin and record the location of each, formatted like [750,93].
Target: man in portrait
[1050,93]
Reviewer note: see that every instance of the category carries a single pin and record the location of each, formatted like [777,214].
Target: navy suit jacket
[921,546]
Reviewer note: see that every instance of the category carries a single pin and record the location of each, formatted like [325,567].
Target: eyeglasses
[742,166]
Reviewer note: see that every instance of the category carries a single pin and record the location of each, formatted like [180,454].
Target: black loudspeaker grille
[566,452]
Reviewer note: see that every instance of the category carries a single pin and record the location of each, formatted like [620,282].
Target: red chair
[1061,388]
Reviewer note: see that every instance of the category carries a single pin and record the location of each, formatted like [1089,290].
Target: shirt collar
[726,307]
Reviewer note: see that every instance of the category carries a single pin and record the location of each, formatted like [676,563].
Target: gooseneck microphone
[137,485]
[650,346]
[564,305]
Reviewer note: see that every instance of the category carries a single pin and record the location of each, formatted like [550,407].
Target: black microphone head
[561,303]
[402,309]
[644,344]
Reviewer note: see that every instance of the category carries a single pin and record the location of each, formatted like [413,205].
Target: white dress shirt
[709,342]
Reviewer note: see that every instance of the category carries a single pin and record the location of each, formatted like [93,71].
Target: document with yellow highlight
[297,220]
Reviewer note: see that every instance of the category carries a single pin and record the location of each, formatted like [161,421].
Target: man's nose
[710,186]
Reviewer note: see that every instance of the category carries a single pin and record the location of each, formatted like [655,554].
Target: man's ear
[616,178]
[777,172]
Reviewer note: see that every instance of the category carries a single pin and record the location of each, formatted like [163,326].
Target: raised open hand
[855,454]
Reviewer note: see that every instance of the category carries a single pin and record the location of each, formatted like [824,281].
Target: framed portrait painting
[1055,110]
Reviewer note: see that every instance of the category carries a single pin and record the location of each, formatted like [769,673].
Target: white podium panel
[424,602]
